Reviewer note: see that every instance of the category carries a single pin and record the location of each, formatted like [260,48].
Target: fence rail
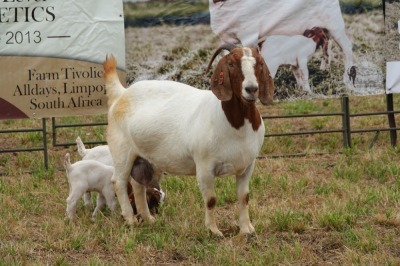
[28,149]
[345,129]
[55,126]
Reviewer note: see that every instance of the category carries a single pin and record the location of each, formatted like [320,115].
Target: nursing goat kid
[185,131]
[141,170]
[295,50]
[89,175]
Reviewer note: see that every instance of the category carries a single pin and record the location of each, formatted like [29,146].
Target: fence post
[53,129]
[391,118]
[346,121]
[46,155]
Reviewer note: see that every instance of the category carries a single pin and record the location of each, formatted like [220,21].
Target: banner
[51,55]
[313,48]
[392,46]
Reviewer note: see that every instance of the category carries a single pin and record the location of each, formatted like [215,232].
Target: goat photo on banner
[313,48]
[330,46]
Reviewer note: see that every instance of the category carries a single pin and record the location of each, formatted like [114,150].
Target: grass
[156,13]
[164,8]
[340,207]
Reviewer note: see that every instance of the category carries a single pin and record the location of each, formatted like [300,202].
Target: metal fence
[55,126]
[345,129]
[29,149]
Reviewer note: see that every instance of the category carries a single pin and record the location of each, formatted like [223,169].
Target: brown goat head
[153,198]
[318,35]
[229,76]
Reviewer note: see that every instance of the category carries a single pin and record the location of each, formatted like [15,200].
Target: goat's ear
[220,81]
[309,33]
[266,93]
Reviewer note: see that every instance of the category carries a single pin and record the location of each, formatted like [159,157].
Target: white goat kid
[140,169]
[248,22]
[99,153]
[89,175]
[185,131]
[295,51]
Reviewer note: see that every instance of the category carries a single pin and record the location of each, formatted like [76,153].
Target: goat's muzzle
[251,94]
[251,90]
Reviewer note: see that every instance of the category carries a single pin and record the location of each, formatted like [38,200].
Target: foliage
[359,6]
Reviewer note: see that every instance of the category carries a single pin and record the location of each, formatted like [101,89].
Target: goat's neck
[236,111]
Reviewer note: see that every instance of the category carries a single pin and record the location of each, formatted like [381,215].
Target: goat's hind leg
[242,186]
[345,44]
[101,201]
[123,162]
[139,191]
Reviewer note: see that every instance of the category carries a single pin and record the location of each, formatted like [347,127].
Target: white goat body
[185,131]
[100,153]
[293,50]
[248,22]
[280,50]
[173,125]
[89,175]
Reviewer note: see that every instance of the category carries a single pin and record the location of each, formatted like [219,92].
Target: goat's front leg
[72,201]
[206,184]
[304,75]
[87,198]
[242,186]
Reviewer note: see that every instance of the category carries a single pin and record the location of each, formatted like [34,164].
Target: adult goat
[185,131]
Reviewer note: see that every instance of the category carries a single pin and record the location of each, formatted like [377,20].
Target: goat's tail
[81,147]
[113,84]
[67,162]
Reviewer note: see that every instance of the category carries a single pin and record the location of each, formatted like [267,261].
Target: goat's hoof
[151,219]
[139,219]
[68,220]
[131,221]
[217,234]
[250,235]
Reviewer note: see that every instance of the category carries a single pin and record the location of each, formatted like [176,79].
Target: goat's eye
[230,64]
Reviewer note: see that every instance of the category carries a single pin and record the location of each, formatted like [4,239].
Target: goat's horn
[226,46]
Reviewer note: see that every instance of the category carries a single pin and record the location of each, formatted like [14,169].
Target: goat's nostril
[251,89]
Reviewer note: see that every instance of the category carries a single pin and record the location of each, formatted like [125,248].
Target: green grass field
[339,207]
